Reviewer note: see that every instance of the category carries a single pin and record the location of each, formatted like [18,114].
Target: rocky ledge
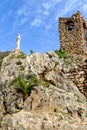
[53,103]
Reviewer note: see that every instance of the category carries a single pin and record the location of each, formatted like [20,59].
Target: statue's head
[18,34]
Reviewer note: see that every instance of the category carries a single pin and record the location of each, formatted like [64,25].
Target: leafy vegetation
[2,55]
[21,55]
[79,100]
[44,83]
[63,113]
[61,53]
[26,85]
[86,115]
[68,63]
[40,82]
[31,52]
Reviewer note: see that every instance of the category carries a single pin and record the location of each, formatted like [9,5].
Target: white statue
[18,38]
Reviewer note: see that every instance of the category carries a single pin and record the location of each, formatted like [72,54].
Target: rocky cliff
[55,102]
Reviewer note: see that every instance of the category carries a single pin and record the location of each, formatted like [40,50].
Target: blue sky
[37,22]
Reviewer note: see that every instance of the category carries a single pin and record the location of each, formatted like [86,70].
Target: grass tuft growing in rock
[44,83]
[61,54]
[21,56]
[68,63]
[86,115]
[79,100]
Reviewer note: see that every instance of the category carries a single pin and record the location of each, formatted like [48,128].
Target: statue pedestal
[17,52]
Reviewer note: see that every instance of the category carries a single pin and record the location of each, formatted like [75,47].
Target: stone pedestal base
[16,52]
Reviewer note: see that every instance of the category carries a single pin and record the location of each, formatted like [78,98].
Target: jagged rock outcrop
[61,106]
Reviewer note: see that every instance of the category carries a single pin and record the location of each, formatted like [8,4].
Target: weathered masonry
[73,39]
[73,34]
[79,75]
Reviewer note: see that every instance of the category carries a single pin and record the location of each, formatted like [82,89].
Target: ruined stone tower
[73,34]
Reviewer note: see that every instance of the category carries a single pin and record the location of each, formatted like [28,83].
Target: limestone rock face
[61,106]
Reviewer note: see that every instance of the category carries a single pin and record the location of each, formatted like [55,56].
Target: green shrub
[61,53]
[44,83]
[86,115]
[79,100]
[22,56]
[63,113]
[31,52]
[26,87]
[68,63]
[40,82]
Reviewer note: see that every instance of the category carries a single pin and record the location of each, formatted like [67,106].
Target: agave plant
[26,87]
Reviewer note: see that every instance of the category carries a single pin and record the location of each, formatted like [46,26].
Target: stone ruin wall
[78,75]
[72,41]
